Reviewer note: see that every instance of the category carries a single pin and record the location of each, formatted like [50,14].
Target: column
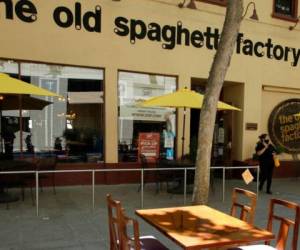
[111,115]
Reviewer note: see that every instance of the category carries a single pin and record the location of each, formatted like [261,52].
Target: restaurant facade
[103,57]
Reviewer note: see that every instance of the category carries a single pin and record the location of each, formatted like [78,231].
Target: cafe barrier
[141,170]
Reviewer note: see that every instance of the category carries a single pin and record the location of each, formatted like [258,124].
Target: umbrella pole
[21,126]
[1,145]
[20,116]
[183,130]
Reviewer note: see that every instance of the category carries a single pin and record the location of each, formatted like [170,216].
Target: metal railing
[141,170]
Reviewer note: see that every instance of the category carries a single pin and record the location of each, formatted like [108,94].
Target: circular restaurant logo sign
[284,126]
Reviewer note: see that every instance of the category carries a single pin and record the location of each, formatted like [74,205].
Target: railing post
[37,192]
[223,184]
[93,189]
[184,187]
[142,188]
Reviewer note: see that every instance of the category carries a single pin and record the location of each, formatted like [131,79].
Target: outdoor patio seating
[114,208]
[45,163]
[285,224]
[147,174]
[10,181]
[247,212]
[163,175]
[119,224]
[202,227]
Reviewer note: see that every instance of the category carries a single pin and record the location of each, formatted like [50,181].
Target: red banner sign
[149,145]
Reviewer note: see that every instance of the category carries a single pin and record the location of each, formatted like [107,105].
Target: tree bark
[215,82]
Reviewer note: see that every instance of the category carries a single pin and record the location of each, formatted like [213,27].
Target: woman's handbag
[276,161]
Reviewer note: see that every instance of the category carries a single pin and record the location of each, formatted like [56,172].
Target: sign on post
[149,146]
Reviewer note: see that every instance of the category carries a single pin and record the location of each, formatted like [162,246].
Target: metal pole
[93,188]
[257,181]
[37,192]
[20,115]
[223,184]
[142,188]
[184,187]
[183,130]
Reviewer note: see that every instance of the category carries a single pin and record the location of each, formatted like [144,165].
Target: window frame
[24,61]
[177,122]
[289,18]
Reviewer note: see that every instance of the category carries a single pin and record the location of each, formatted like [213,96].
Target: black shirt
[266,158]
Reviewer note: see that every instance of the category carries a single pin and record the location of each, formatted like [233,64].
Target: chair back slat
[114,213]
[285,220]
[285,223]
[282,235]
[129,242]
[118,227]
[247,211]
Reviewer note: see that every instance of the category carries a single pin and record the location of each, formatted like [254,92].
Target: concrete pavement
[67,220]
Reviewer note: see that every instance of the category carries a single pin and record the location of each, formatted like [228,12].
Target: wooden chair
[247,212]
[119,224]
[136,242]
[114,210]
[285,224]
[47,163]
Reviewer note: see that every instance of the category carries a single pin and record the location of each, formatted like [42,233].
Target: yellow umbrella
[11,102]
[182,98]
[10,85]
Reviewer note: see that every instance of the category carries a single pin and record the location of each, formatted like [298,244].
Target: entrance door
[222,141]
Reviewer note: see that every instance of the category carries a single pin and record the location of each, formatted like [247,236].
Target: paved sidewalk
[67,220]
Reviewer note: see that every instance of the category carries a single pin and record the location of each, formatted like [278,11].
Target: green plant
[279,149]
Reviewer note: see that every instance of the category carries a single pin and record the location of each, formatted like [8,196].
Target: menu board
[149,146]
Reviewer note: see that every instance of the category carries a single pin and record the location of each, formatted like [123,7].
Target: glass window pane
[71,126]
[8,124]
[134,120]
[284,7]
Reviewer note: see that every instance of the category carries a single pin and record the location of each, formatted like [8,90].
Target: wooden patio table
[201,227]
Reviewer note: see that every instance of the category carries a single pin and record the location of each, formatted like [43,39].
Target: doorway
[223,137]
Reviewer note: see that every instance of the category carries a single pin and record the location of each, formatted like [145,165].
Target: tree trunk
[215,82]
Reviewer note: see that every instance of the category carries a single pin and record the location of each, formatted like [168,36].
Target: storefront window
[137,123]
[70,126]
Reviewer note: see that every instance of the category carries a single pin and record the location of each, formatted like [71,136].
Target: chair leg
[140,187]
[157,182]
[157,187]
[23,192]
[32,199]
[53,183]
[212,182]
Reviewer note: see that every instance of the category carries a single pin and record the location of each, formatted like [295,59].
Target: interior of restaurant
[70,126]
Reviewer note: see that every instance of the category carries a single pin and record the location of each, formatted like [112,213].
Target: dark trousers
[266,173]
[8,151]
